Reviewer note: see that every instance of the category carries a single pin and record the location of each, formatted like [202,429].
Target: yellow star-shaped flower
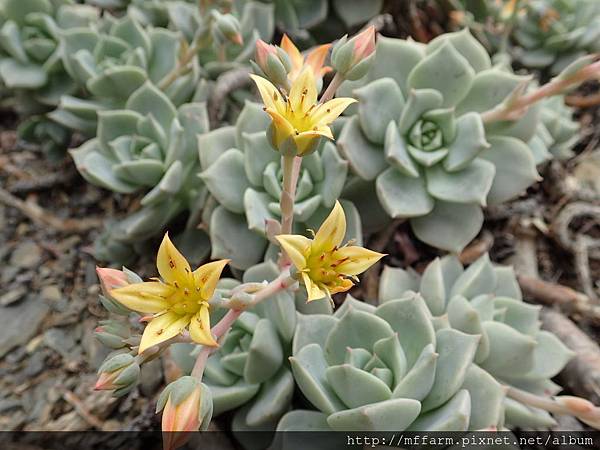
[323,266]
[299,117]
[178,300]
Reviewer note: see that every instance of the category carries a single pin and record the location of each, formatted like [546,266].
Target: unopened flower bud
[353,58]
[112,334]
[226,28]
[119,373]
[112,279]
[273,62]
[187,407]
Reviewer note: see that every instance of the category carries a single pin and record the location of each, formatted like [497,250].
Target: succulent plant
[411,376]
[486,300]
[551,34]
[111,61]
[251,369]
[243,174]
[296,15]
[419,137]
[434,360]
[30,53]
[149,147]
[556,132]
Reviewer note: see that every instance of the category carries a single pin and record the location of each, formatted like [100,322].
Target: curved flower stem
[333,86]
[517,107]
[564,404]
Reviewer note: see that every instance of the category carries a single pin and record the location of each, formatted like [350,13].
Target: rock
[20,322]
[7,404]
[12,296]
[92,347]
[26,255]
[35,364]
[54,297]
[61,341]
[587,172]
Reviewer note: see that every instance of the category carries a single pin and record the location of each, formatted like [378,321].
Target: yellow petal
[326,113]
[162,328]
[355,259]
[207,276]
[172,265]
[312,290]
[283,129]
[305,141]
[200,328]
[148,297]
[271,97]
[296,57]
[296,247]
[345,286]
[332,231]
[303,94]
[316,58]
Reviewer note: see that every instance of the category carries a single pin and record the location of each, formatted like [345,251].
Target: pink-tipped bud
[353,58]
[364,44]
[186,406]
[119,373]
[263,50]
[111,279]
[273,62]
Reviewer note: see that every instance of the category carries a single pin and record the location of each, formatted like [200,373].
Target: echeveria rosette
[149,147]
[412,375]
[551,34]
[113,60]
[30,51]
[419,137]
[243,174]
[486,300]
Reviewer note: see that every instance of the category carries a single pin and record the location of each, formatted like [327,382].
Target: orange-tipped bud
[187,407]
[353,58]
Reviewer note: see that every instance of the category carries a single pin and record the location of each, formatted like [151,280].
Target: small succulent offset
[551,34]
[113,60]
[149,147]
[485,300]
[557,132]
[418,135]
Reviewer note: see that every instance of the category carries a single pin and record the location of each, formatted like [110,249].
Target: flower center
[185,301]
[323,269]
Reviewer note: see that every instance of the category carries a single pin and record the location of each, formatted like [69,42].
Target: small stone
[12,296]
[26,255]
[60,341]
[7,404]
[54,297]
[13,332]
[35,364]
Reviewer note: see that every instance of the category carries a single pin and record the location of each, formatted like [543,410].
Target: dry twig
[477,248]
[226,83]
[570,301]
[42,217]
[582,374]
